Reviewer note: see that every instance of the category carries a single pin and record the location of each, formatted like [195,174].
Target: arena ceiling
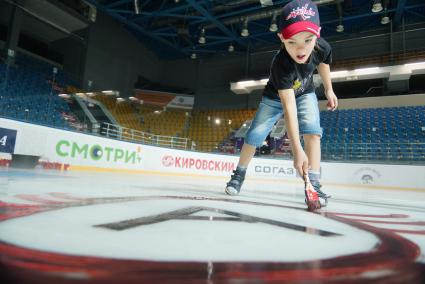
[180,28]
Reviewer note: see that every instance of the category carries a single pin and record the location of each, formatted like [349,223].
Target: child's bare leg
[246,155]
[312,150]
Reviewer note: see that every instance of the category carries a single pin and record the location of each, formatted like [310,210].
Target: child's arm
[325,74]
[287,97]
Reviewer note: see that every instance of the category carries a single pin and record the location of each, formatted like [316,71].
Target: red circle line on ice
[392,259]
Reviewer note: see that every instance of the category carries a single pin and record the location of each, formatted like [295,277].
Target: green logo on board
[97,152]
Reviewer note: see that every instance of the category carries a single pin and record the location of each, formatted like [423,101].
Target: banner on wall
[7,140]
[184,102]
[164,99]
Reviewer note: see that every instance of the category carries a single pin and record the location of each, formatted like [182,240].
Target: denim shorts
[270,111]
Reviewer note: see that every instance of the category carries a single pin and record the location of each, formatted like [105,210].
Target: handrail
[127,134]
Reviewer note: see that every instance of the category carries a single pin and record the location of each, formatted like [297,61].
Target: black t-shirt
[285,73]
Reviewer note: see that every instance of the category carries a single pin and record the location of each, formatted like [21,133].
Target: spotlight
[231,48]
[266,3]
[202,37]
[136,7]
[273,27]
[273,24]
[385,20]
[245,31]
[377,6]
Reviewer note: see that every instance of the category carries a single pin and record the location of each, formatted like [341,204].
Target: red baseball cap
[300,16]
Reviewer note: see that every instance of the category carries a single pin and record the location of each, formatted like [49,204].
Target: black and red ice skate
[311,196]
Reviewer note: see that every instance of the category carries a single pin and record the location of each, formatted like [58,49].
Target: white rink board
[78,149]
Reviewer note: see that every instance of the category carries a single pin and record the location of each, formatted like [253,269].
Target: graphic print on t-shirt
[296,85]
[300,86]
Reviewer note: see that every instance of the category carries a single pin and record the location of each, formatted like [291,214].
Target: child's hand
[301,162]
[332,100]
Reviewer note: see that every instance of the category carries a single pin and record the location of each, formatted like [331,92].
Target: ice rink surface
[103,227]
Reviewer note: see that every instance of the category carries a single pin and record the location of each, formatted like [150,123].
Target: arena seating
[146,118]
[28,92]
[168,122]
[122,111]
[391,133]
[208,134]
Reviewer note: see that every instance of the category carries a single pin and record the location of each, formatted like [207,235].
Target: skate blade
[323,202]
[313,205]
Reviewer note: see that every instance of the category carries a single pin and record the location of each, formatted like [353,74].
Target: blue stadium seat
[397,129]
[26,88]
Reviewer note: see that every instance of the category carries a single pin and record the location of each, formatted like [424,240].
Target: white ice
[73,230]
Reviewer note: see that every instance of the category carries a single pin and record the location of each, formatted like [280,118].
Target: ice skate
[233,187]
[323,197]
[311,195]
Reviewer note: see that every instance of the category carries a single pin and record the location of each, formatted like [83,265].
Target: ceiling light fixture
[266,3]
[340,26]
[385,20]
[231,48]
[136,7]
[377,6]
[273,25]
[245,31]
[202,39]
